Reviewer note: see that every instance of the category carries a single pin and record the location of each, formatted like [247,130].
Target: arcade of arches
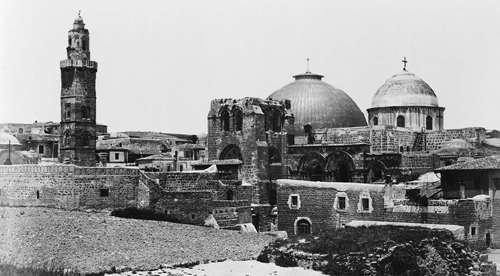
[336,167]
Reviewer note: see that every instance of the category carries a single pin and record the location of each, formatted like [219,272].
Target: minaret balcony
[78,63]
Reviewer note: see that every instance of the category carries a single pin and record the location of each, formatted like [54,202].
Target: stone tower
[78,100]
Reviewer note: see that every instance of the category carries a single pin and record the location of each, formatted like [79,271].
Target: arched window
[67,110]
[66,138]
[428,123]
[85,114]
[401,149]
[303,227]
[408,149]
[400,121]
[229,194]
[224,118]
[375,121]
[238,120]
[307,129]
[20,130]
[276,121]
[85,139]
[69,40]
[84,43]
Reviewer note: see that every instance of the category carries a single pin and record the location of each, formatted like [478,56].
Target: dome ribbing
[319,104]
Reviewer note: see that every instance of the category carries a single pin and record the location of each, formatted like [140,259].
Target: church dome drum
[319,104]
[406,101]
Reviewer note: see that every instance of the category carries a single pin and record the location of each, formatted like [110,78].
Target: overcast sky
[162,62]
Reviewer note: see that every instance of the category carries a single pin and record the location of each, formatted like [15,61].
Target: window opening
[238,120]
[37,194]
[303,227]
[400,121]
[67,108]
[428,123]
[117,156]
[473,231]
[295,201]
[85,139]
[20,130]
[365,203]
[41,149]
[276,121]
[375,121]
[104,192]
[229,194]
[341,203]
[224,120]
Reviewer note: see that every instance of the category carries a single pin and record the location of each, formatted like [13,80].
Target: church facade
[310,130]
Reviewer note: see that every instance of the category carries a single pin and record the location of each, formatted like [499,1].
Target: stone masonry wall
[318,203]
[68,187]
[393,139]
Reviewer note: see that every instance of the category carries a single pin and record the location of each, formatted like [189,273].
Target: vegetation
[146,214]
[45,270]
[382,250]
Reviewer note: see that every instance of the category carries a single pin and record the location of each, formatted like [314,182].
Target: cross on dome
[404,61]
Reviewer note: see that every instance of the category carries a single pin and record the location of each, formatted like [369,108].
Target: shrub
[146,214]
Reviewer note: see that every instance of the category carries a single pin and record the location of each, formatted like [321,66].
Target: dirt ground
[94,242]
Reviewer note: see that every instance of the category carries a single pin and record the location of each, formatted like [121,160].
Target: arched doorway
[303,227]
[343,173]
[311,166]
[231,152]
[316,172]
[375,172]
[340,167]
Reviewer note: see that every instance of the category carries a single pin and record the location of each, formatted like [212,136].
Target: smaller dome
[78,19]
[405,89]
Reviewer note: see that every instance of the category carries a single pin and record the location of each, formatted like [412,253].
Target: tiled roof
[191,147]
[220,162]
[162,156]
[486,163]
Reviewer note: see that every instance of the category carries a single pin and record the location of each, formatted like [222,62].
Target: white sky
[162,62]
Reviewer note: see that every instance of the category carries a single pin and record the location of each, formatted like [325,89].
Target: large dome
[319,104]
[404,89]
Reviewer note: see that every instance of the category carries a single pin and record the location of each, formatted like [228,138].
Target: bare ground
[95,242]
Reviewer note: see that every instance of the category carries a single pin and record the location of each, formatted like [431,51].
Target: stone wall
[68,187]
[319,203]
[384,138]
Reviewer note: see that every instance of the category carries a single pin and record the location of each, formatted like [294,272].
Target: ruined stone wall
[192,196]
[319,203]
[68,187]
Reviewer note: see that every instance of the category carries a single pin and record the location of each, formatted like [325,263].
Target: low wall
[68,186]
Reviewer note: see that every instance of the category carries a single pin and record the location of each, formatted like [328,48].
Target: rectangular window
[473,231]
[295,201]
[104,192]
[341,203]
[41,149]
[366,204]
[117,156]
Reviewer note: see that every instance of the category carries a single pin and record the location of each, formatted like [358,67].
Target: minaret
[78,100]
